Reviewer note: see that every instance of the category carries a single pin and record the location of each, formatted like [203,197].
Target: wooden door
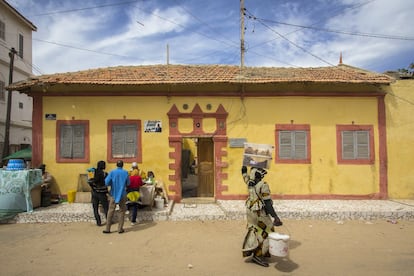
[205,155]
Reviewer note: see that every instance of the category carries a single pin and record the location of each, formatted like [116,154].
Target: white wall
[21,118]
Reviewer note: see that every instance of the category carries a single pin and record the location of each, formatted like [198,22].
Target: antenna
[168,54]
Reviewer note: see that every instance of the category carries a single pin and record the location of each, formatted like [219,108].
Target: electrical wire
[123,3]
[228,43]
[33,67]
[231,43]
[270,57]
[340,11]
[182,26]
[205,23]
[294,44]
[25,61]
[207,55]
[261,21]
[225,42]
[81,49]
[339,31]
[86,8]
[310,53]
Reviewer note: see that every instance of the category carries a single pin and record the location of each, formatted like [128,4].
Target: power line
[233,44]
[81,49]
[301,48]
[269,57]
[33,67]
[262,21]
[180,25]
[340,11]
[25,61]
[339,31]
[293,43]
[230,44]
[204,23]
[86,8]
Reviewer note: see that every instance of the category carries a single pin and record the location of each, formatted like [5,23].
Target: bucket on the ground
[71,196]
[159,203]
[278,244]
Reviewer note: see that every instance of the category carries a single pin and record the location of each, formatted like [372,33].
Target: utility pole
[241,34]
[6,146]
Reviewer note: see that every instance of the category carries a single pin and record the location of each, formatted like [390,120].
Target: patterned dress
[259,224]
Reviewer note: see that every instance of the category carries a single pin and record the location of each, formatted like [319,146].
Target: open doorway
[197,167]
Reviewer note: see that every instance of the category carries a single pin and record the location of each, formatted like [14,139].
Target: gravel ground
[338,210]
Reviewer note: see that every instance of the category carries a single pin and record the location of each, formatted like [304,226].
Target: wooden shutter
[117,141]
[78,141]
[285,144]
[355,144]
[347,144]
[130,141]
[362,142]
[66,141]
[72,141]
[292,145]
[300,145]
[124,141]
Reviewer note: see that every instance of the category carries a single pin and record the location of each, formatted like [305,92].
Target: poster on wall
[257,155]
[153,126]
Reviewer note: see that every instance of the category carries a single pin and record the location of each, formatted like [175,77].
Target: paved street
[234,210]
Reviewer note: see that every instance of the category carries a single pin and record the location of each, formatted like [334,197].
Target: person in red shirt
[133,195]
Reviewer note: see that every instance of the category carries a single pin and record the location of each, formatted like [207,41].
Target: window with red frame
[293,143]
[355,144]
[72,141]
[124,140]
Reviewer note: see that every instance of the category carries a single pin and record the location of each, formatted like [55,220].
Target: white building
[15,32]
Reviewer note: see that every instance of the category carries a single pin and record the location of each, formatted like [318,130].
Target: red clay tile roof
[202,74]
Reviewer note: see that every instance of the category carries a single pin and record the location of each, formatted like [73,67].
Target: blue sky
[376,35]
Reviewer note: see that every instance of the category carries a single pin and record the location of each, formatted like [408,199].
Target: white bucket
[278,244]
[159,203]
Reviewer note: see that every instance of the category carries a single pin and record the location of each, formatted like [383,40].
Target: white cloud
[377,17]
[198,33]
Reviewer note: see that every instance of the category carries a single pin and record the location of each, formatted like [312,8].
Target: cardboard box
[36,195]
[83,197]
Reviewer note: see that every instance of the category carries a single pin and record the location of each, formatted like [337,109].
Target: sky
[376,35]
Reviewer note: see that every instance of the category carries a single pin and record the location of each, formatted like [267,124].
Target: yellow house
[400,139]
[326,128]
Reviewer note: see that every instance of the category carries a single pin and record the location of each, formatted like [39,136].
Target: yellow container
[71,196]
[90,175]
